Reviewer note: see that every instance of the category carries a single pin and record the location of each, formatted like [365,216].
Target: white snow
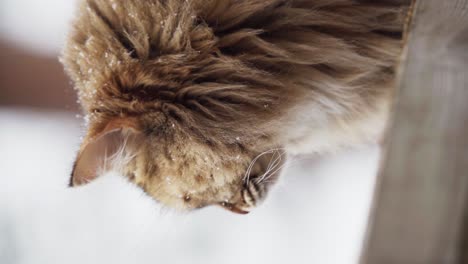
[37,25]
[316,215]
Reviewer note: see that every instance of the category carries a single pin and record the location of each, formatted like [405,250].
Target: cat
[201,102]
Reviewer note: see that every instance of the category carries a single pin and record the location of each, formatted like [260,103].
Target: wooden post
[420,211]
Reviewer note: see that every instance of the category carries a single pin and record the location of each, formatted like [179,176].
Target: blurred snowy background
[317,214]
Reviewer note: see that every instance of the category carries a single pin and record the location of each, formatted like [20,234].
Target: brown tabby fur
[208,85]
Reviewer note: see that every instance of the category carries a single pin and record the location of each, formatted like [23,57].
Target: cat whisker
[292,161]
[273,165]
[265,179]
[274,172]
[252,163]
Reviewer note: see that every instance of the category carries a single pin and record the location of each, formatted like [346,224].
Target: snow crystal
[86,119]
[89,40]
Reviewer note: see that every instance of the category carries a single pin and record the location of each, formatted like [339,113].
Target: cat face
[177,168]
[191,175]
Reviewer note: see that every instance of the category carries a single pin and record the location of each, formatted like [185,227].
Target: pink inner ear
[100,146]
[93,157]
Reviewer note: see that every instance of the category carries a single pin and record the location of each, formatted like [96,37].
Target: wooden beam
[420,211]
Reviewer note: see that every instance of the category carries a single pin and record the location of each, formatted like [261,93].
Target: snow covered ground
[316,215]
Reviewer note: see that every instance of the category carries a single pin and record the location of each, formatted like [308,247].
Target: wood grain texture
[420,213]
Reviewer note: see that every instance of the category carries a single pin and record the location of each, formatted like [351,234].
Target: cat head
[176,166]
[190,99]
[172,107]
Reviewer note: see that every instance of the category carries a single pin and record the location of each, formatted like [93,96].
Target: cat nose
[234,208]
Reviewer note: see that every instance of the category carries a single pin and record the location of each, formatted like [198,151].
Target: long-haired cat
[200,102]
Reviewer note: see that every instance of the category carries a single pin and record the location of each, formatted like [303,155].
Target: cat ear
[99,145]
